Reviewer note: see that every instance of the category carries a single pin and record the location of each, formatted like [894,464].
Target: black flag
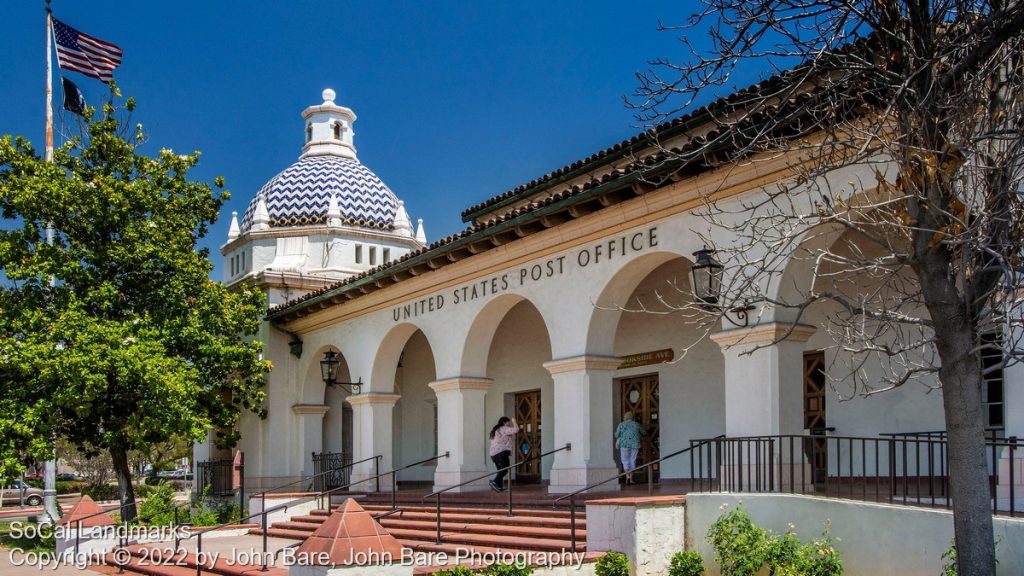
[73,99]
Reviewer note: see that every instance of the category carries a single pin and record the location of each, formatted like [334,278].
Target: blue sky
[456,102]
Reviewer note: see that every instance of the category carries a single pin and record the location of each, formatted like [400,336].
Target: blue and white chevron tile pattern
[300,195]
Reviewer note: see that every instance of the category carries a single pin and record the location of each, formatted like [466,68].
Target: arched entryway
[672,374]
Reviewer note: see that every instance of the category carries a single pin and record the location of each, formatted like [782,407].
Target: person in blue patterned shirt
[627,438]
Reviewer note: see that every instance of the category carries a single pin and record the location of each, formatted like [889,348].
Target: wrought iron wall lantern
[329,371]
[706,276]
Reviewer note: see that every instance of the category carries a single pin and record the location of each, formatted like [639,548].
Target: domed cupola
[324,218]
[301,194]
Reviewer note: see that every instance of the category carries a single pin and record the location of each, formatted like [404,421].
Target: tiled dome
[301,193]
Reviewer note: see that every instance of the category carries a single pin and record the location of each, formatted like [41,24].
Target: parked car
[64,476]
[175,474]
[12,494]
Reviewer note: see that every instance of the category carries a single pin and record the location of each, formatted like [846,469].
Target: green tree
[114,337]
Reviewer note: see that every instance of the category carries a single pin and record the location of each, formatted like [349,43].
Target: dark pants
[501,461]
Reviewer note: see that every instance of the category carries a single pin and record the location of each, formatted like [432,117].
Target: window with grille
[992,387]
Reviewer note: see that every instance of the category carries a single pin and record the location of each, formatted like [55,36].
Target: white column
[372,415]
[461,431]
[583,418]
[764,397]
[310,433]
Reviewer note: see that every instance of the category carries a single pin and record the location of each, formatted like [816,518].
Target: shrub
[155,510]
[687,563]
[742,549]
[501,569]
[99,492]
[455,571]
[69,486]
[612,564]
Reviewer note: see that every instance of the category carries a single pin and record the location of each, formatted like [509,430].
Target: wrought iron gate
[331,470]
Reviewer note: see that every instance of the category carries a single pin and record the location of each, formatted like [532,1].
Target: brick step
[452,542]
[521,519]
[393,522]
[460,509]
[407,535]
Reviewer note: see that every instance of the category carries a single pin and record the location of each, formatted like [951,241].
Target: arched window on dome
[309,132]
[337,130]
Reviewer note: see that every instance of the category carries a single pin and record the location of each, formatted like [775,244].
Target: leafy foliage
[501,569]
[612,564]
[455,571]
[114,337]
[156,509]
[742,548]
[687,563]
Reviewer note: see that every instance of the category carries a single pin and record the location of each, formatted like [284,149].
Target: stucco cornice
[317,409]
[764,334]
[373,398]
[461,383]
[580,363]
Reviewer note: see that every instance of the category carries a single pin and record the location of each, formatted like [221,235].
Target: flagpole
[50,467]
[49,84]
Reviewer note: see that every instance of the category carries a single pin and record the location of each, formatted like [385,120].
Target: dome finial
[261,216]
[328,96]
[421,236]
[333,211]
[233,230]
[403,226]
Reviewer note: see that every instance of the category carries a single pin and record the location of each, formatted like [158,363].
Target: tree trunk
[961,379]
[126,491]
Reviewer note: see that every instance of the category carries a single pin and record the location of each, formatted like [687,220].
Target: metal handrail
[307,478]
[437,494]
[394,481]
[263,495]
[263,525]
[650,485]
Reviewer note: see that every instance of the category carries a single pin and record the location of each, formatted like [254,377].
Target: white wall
[414,436]
[876,539]
[515,363]
[691,388]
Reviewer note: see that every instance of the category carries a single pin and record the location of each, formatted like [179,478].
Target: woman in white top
[503,439]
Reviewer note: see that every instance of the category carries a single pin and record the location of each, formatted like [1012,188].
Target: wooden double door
[640,396]
[528,440]
[815,388]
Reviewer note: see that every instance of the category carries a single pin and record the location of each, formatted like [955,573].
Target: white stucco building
[521,314]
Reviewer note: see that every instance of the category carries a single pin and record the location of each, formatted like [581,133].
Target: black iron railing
[911,469]
[331,469]
[222,479]
[326,495]
[650,484]
[437,494]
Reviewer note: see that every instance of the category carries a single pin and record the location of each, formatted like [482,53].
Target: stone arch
[313,387]
[389,351]
[481,333]
[798,275]
[605,316]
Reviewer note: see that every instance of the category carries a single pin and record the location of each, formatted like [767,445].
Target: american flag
[80,52]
